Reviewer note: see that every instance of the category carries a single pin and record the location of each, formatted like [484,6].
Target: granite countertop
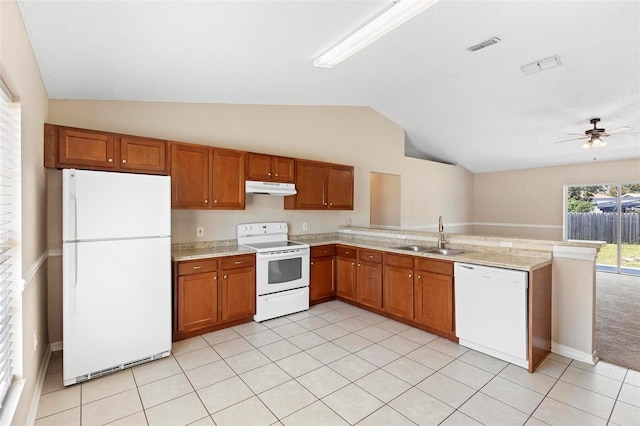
[184,252]
[478,256]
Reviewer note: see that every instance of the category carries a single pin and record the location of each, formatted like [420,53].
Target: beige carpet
[618,319]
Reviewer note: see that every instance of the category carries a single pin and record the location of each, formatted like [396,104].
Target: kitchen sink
[443,251]
[425,249]
[413,248]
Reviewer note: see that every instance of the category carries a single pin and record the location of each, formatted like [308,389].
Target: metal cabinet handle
[325,252]
[197,267]
[276,175]
[359,264]
[238,262]
[330,204]
[311,263]
[269,174]
[110,160]
[325,204]
[346,252]
[124,161]
[353,263]
[225,277]
[215,201]
[410,275]
[215,278]
[206,201]
[419,277]
[370,256]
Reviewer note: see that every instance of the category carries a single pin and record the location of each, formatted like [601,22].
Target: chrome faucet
[441,236]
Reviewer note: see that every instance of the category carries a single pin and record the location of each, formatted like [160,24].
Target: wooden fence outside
[604,227]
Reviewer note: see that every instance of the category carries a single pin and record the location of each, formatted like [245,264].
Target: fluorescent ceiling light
[541,65]
[390,19]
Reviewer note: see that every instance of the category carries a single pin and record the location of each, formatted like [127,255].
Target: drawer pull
[370,256]
[197,267]
[346,252]
[238,262]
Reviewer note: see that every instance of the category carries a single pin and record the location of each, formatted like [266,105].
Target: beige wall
[534,197]
[19,70]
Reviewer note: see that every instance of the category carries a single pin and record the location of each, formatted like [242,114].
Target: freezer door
[109,205]
[116,303]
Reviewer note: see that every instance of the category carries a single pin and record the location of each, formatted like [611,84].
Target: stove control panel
[264,228]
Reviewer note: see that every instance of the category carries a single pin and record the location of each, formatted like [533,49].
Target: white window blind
[10,238]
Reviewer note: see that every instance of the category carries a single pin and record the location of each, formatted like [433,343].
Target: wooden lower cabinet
[198,301]
[346,272]
[434,295]
[237,293]
[211,294]
[398,286]
[369,278]
[322,274]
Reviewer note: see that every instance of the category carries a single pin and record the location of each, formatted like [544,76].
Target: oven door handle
[286,255]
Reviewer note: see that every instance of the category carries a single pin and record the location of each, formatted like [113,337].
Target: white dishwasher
[491,311]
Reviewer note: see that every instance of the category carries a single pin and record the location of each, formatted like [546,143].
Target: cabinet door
[340,187]
[311,178]
[398,291]
[346,278]
[237,293]
[143,155]
[370,284]
[189,175]
[228,179]
[258,167]
[322,275]
[434,300]
[197,301]
[85,148]
[283,169]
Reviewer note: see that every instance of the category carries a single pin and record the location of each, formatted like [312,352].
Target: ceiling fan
[594,136]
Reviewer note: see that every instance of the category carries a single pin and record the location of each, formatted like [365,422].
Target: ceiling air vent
[486,43]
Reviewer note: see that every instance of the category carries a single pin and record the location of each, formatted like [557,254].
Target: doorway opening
[610,213]
[385,200]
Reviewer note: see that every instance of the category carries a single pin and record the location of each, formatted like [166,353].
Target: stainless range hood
[269,188]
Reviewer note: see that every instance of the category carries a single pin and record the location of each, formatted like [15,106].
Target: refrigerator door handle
[74,279]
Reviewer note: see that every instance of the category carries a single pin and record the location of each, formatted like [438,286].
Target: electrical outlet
[35,340]
[348,221]
[199,231]
[305,226]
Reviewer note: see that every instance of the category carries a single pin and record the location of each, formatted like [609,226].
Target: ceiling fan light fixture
[587,145]
[399,13]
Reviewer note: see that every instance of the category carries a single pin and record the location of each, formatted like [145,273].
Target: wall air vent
[486,43]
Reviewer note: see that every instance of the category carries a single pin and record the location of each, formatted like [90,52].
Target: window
[607,212]
[10,239]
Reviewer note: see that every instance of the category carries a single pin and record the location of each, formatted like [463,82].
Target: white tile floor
[336,365]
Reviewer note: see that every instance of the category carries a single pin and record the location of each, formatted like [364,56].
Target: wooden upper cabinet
[203,177]
[88,149]
[263,167]
[140,154]
[190,175]
[321,186]
[228,179]
[340,187]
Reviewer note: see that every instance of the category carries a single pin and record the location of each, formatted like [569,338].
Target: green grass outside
[630,255]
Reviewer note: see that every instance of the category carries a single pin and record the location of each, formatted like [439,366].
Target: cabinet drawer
[436,266]
[399,261]
[370,256]
[242,261]
[329,250]
[197,266]
[348,252]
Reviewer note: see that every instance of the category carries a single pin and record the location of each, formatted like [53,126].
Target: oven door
[282,270]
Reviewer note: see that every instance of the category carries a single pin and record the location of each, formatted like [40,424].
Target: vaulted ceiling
[476,109]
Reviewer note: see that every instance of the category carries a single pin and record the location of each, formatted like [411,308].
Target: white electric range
[282,269]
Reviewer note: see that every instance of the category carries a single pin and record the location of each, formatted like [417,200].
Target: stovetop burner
[266,236]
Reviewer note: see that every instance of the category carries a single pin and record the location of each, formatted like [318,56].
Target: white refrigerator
[116,271]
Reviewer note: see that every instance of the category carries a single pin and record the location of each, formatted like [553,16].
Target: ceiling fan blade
[574,139]
[619,129]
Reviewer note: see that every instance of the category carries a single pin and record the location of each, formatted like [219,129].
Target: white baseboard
[589,358]
[33,410]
